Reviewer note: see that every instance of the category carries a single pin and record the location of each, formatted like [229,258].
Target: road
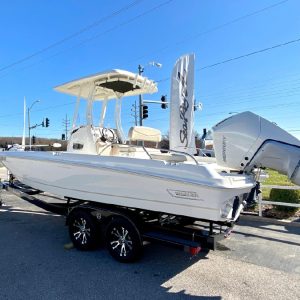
[259,261]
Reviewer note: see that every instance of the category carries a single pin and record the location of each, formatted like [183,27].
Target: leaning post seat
[146,134]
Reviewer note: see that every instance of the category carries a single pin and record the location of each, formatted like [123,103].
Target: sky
[46,43]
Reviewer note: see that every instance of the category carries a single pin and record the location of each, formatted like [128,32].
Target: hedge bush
[288,196]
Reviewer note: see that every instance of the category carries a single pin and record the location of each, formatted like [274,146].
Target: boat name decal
[183,108]
[224,146]
[184,194]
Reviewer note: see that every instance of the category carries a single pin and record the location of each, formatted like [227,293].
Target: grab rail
[203,153]
[180,152]
[149,154]
[146,151]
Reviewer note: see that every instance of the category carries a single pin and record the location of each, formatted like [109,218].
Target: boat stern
[232,208]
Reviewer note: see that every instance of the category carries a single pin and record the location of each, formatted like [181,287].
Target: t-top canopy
[109,85]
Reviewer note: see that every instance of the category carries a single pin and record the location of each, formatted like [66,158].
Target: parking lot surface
[258,261]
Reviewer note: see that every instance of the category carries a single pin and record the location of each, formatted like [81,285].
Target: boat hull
[137,183]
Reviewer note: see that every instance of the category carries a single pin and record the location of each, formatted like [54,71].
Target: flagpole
[24,124]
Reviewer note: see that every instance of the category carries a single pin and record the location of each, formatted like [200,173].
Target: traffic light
[145,111]
[63,137]
[164,105]
[47,122]
[33,140]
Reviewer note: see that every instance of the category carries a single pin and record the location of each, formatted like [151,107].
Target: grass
[275,178]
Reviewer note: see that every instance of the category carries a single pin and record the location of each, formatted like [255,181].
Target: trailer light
[192,250]
[195,250]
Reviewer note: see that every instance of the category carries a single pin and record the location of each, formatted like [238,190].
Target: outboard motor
[246,141]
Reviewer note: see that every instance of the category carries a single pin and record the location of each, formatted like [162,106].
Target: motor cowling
[246,141]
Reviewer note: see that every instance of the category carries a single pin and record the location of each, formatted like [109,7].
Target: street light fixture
[29,127]
[155,64]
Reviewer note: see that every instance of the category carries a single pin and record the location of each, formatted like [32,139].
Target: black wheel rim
[120,241]
[81,231]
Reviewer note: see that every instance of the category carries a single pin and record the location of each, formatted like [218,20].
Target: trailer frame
[191,234]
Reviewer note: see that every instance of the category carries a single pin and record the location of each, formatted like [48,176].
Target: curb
[269,220]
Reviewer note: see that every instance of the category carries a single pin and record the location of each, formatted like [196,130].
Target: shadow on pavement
[268,238]
[283,231]
[34,264]
[264,244]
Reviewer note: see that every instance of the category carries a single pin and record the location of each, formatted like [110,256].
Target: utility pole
[66,124]
[141,70]
[141,102]
[30,127]
[134,111]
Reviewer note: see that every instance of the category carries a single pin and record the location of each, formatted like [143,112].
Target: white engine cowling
[246,140]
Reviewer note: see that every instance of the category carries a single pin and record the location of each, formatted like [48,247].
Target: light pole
[29,128]
[141,71]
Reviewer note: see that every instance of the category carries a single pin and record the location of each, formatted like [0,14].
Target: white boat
[102,165]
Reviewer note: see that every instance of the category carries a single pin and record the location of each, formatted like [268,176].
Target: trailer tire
[184,221]
[123,240]
[83,230]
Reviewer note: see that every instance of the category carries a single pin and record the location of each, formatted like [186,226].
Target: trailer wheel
[83,230]
[123,240]
[184,221]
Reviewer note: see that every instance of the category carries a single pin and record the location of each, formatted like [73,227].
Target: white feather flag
[182,137]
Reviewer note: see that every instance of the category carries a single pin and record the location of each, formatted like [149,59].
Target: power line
[263,84]
[55,106]
[122,24]
[215,28]
[41,109]
[238,19]
[67,38]
[256,108]
[11,115]
[97,35]
[249,54]
[240,57]
[249,98]
[248,94]
[277,118]
[125,22]
[275,94]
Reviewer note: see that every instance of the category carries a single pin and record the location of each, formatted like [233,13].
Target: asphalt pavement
[258,261]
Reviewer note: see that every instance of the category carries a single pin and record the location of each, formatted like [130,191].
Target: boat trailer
[123,229]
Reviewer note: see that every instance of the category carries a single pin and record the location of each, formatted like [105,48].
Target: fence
[262,202]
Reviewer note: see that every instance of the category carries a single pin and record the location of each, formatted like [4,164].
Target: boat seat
[146,134]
